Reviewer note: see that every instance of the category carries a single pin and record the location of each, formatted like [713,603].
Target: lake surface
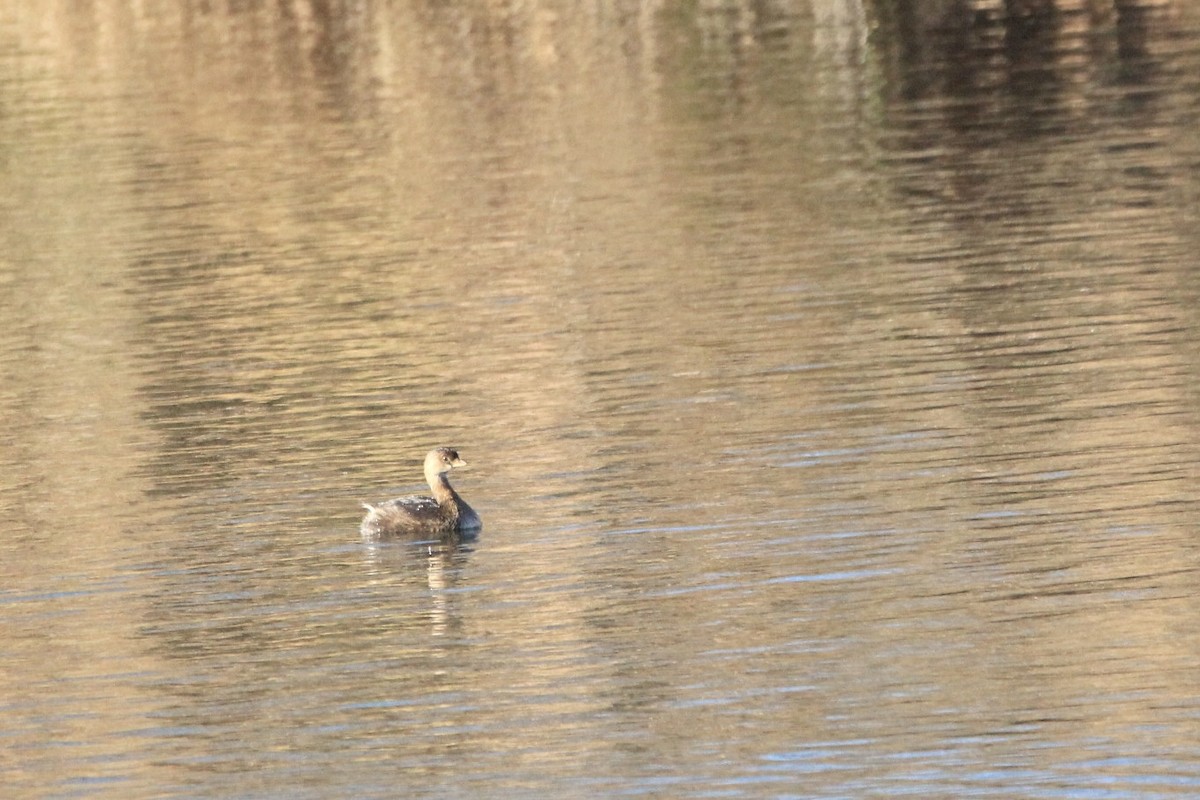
[827,376]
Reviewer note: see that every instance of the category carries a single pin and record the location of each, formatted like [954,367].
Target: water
[826,381]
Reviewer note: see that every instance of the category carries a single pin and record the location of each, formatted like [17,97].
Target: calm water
[828,383]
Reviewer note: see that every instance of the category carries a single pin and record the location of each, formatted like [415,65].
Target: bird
[443,514]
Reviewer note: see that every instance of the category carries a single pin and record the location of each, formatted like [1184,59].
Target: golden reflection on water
[826,382]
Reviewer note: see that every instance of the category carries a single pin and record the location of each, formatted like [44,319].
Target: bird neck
[442,491]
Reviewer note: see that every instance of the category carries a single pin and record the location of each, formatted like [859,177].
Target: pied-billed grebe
[442,514]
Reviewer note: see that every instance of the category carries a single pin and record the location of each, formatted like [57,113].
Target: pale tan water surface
[827,376]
